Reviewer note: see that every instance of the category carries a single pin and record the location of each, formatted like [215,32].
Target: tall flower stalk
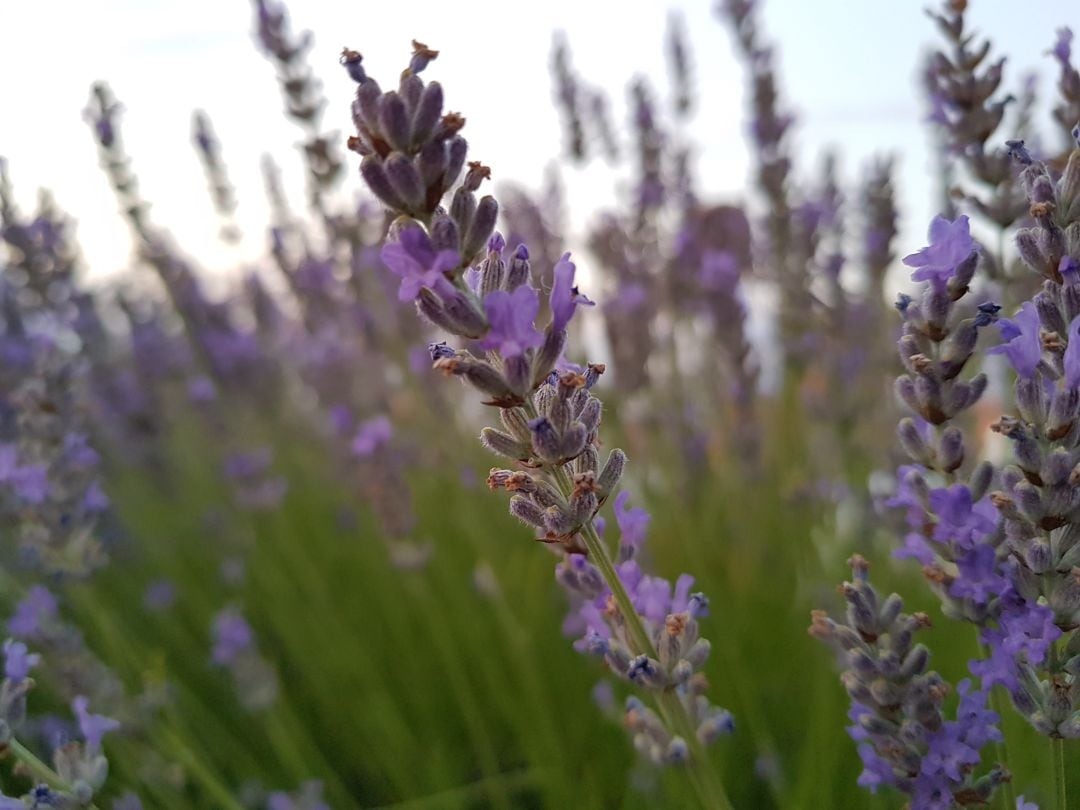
[454,267]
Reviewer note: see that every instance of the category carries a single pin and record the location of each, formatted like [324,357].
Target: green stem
[39,769]
[1057,748]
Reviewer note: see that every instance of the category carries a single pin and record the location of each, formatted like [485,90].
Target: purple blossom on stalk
[719,270]
[950,245]
[371,435]
[1024,634]
[37,609]
[1023,345]
[415,259]
[633,522]
[961,521]
[29,482]
[159,595]
[232,636]
[511,317]
[565,297]
[1063,46]
[92,726]
[18,661]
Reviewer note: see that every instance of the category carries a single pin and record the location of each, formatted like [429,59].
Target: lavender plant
[1001,560]
[412,156]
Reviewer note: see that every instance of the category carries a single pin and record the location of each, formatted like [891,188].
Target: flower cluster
[549,416]
[905,738]
[235,650]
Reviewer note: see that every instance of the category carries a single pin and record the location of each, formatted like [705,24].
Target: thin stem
[39,769]
[703,778]
[1057,748]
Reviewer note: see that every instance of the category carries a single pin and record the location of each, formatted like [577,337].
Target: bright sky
[848,68]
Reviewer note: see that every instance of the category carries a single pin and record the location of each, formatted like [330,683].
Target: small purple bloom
[511,317]
[1063,47]
[372,435]
[160,595]
[30,483]
[129,801]
[1024,804]
[201,390]
[950,245]
[565,297]
[960,521]
[633,522]
[95,499]
[719,270]
[415,259]
[979,579]
[18,661]
[38,608]
[1022,346]
[92,726]
[232,636]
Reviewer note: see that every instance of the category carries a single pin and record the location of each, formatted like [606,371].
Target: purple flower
[92,726]
[1072,355]
[1063,47]
[876,770]
[30,482]
[719,270]
[129,801]
[18,661]
[9,803]
[980,578]
[565,297]
[415,259]
[1024,633]
[1023,345]
[159,595]
[633,522]
[1024,804]
[95,499]
[38,608]
[950,245]
[960,522]
[511,317]
[372,435]
[232,636]
[915,547]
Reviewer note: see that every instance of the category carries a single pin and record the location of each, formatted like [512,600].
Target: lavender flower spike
[646,629]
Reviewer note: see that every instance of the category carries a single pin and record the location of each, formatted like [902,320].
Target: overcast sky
[848,69]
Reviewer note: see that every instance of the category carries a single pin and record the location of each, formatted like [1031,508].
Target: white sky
[848,67]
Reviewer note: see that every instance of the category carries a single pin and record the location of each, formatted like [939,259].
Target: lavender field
[622,489]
